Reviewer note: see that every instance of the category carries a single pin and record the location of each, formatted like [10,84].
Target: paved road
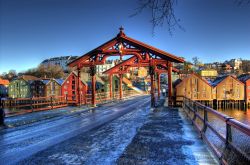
[20,143]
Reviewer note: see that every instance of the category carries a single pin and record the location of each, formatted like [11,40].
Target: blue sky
[33,30]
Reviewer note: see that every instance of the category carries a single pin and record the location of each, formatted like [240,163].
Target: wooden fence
[228,138]
[18,106]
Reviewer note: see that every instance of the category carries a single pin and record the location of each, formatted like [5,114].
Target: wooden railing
[25,105]
[18,106]
[102,97]
[228,138]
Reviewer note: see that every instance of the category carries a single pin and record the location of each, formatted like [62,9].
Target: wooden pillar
[151,72]
[78,86]
[92,73]
[158,84]
[120,85]
[170,83]
[110,86]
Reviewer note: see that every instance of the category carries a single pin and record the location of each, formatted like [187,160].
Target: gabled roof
[176,82]
[243,78]
[45,81]
[218,80]
[121,37]
[28,77]
[196,75]
[199,76]
[4,82]
[58,81]
[31,81]
[153,50]
[73,72]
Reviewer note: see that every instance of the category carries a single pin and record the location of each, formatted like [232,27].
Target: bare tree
[242,2]
[162,11]
[48,71]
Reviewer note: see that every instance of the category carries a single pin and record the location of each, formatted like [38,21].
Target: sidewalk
[166,138]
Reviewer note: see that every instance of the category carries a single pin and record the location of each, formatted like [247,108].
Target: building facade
[3,91]
[53,87]
[37,88]
[209,73]
[62,61]
[20,88]
[101,68]
[246,80]
[193,87]
[228,88]
[69,87]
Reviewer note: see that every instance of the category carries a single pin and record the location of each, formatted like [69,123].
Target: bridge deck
[140,136]
[167,138]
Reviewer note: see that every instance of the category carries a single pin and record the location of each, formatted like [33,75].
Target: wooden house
[4,87]
[53,87]
[37,88]
[20,87]
[228,88]
[3,91]
[246,80]
[4,82]
[193,87]
[70,84]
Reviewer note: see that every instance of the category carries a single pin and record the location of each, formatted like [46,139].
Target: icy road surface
[28,142]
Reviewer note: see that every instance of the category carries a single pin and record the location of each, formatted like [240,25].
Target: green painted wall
[19,89]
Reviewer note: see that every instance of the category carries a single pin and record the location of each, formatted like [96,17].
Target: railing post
[195,110]
[2,113]
[205,120]
[51,102]
[66,97]
[31,104]
[228,131]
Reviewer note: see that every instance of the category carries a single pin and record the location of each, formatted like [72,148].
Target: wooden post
[151,72]
[78,86]
[120,86]
[92,73]
[158,84]
[228,131]
[31,104]
[93,90]
[152,91]
[170,83]
[51,102]
[110,86]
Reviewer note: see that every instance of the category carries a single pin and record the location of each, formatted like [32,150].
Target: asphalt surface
[22,142]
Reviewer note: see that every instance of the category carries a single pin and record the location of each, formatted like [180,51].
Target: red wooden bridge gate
[157,60]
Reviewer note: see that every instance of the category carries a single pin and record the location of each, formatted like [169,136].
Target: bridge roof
[121,37]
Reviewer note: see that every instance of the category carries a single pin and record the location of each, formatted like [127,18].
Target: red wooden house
[246,80]
[69,88]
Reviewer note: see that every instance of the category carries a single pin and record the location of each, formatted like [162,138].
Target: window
[248,87]
[67,82]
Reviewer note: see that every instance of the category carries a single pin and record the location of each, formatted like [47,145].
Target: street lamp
[120,50]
